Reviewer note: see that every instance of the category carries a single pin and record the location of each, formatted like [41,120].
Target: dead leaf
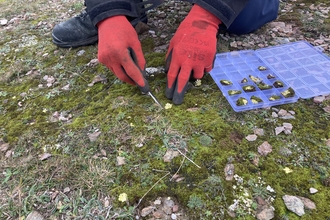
[229,171]
[97,79]
[251,137]
[93,62]
[9,153]
[147,210]
[169,155]
[44,156]
[120,161]
[92,137]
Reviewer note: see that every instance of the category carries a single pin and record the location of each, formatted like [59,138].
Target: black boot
[80,31]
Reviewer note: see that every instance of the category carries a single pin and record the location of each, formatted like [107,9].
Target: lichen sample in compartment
[225,82]
[274,98]
[270,76]
[278,84]
[234,92]
[249,88]
[264,86]
[244,80]
[255,99]
[288,93]
[262,68]
[255,79]
[241,101]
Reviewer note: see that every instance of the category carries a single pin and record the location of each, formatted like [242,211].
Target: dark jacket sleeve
[98,10]
[225,10]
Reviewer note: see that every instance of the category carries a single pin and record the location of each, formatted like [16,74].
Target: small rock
[265,148]
[287,126]
[265,214]
[259,131]
[308,204]
[319,99]
[313,190]
[274,115]
[141,27]
[292,112]
[80,53]
[34,216]
[66,190]
[251,137]
[282,112]
[158,214]
[3,22]
[278,130]
[147,210]
[158,202]
[173,216]
[294,204]
[175,208]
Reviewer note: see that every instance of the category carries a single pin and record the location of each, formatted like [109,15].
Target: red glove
[191,51]
[120,50]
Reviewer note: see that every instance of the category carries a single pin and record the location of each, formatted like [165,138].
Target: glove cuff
[118,19]
[202,14]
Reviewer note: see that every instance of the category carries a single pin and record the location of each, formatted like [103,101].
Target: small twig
[178,169]
[151,189]
[188,159]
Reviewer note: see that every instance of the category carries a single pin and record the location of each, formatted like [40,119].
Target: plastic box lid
[263,77]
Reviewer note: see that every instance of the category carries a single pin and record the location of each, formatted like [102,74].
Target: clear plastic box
[272,71]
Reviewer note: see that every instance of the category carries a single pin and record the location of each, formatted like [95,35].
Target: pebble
[294,204]
[319,99]
[266,214]
[308,204]
[259,131]
[173,216]
[313,190]
[3,22]
[265,148]
[80,53]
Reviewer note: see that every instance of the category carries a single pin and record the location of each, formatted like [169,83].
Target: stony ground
[76,143]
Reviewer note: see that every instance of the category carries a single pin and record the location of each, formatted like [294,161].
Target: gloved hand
[191,52]
[120,50]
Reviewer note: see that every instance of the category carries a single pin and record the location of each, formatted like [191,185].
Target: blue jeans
[255,14]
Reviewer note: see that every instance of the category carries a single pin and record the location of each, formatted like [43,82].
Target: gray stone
[294,204]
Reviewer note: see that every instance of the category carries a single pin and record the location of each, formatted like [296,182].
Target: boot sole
[93,39]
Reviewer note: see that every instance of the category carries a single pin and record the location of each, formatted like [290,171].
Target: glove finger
[210,67]
[181,88]
[121,74]
[172,80]
[198,73]
[133,72]
[168,60]
[137,56]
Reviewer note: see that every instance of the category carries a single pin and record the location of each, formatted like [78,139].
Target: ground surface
[75,141]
